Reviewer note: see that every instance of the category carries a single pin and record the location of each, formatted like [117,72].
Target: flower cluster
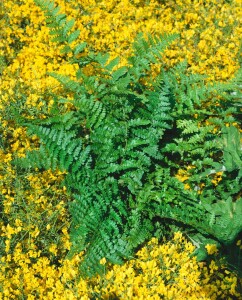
[158,271]
[167,272]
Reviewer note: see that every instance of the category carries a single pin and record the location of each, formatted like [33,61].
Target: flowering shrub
[34,220]
[157,271]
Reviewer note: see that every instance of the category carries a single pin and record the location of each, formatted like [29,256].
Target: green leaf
[68,26]
[114,62]
[73,36]
[79,48]
[232,148]
[118,73]
[66,49]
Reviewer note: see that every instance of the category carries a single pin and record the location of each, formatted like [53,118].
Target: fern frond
[60,27]
[69,84]
[34,159]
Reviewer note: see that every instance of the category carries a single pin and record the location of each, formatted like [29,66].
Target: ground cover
[35,220]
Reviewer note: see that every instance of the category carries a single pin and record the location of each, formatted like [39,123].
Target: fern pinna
[123,143]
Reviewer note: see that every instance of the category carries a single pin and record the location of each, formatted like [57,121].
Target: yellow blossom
[103,261]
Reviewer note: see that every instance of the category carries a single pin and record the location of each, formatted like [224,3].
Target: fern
[61,28]
[122,145]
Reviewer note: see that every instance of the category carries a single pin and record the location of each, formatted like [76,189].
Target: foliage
[125,139]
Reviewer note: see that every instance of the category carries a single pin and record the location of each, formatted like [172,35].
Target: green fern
[122,145]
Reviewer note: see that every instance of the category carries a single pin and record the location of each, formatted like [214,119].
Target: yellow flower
[238,243]
[211,249]
[177,236]
[35,233]
[9,231]
[103,261]
[7,245]
[53,249]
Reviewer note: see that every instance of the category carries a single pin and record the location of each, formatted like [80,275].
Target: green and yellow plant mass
[120,149]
